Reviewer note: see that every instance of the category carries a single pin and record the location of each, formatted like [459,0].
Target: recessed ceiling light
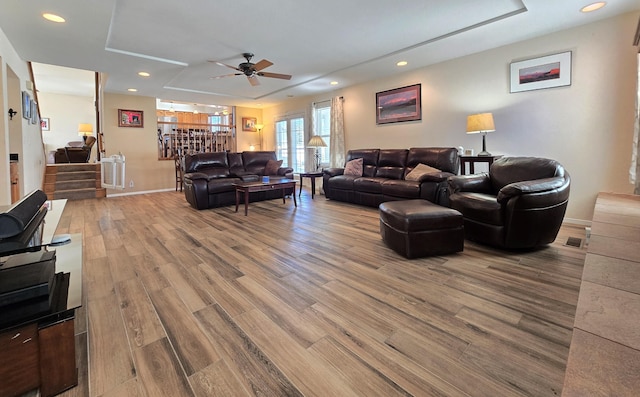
[593,6]
[132,89]
[334,83]
[53,17]
[144,74]
[402,63]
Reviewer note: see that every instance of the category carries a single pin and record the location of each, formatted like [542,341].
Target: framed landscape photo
[539,73]
[34,112]
[26,105]
[130,118]
[44,124]
[249,124]
[400,104]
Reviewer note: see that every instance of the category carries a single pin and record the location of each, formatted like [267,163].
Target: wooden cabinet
[38,356]
[19,370]
[58,370]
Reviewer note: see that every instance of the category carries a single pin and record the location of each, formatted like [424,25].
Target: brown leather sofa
[75,154]
[384,172]
[519,204]
[209,177]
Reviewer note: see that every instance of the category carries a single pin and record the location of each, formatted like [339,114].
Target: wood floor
[308,301]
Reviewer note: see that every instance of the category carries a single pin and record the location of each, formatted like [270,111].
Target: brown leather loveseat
[209,177]
[79,152]
[384,176]
[519,204]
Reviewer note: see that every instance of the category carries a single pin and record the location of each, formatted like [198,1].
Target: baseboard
[578,222]
[139,192]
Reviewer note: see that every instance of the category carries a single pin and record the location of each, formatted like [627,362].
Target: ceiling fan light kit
[252,70]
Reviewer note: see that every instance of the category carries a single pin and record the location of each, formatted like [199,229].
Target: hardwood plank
[111,363]
[218,380]
[97,278]
[303,331]
[187,285]
[252,366]
[193,348]
[304,369]
[360,376]
[223,292]
[160,372]
[141,321]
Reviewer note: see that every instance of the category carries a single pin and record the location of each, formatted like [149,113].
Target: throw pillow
[419,171]
[272,167]
[353,167]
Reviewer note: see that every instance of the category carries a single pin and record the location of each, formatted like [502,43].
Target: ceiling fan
[252,70]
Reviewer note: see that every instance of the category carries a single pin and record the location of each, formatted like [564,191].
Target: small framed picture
[130,118]
[249,124]
[26,105]
[544,72]
[44,124]
[468,152]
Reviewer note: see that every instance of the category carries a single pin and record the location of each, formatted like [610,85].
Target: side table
[312,176]
[471,160]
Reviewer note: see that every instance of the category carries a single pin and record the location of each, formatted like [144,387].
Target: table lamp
[317,142]
[85,130]
[481,123]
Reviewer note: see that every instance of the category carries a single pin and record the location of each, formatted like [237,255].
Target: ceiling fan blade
[275,75]
[262,64]
[226,75]
[253,80]
[224,64]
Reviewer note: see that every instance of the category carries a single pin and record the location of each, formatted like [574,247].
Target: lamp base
[484,152]
[317,155]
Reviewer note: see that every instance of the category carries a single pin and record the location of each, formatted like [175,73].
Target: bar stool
[179,171]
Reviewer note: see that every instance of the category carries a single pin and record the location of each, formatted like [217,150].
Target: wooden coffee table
[273,184]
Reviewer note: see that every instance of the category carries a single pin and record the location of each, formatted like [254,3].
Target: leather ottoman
[418,228]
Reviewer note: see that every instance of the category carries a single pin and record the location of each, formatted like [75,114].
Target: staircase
[73,181]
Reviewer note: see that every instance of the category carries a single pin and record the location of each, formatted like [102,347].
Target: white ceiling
[316,42]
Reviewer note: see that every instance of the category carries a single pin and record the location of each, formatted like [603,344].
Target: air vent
[574,242]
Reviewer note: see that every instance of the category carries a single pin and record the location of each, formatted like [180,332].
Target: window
[323,129]
[290,143]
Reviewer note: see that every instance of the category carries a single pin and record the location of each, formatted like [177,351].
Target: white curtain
[310,165]
[634,170]
[337,149]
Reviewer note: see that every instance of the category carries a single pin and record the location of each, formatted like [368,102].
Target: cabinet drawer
[19,369]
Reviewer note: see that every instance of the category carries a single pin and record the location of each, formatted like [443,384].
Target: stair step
[75,184]
[75,181]
[61,168]
[75,175]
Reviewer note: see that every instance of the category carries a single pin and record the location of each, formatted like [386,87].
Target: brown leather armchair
[519,204]
[72,154]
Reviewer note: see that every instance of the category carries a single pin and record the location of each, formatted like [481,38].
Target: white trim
[140,192]
[578,222]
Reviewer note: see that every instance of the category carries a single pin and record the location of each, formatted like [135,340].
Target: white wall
[65,113]
[17,135]
[138,145]
[587,126]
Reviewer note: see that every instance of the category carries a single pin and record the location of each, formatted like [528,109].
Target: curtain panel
[337,148]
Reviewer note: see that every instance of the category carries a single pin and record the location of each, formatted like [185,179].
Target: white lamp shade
[482,122]
[316,141]
[85,129]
